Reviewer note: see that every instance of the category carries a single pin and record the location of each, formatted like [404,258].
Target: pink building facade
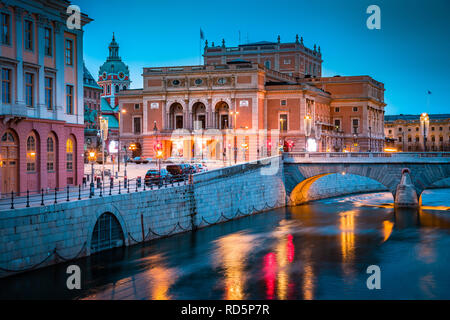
[41,110]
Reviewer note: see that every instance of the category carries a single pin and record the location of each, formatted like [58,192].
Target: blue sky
[410,54]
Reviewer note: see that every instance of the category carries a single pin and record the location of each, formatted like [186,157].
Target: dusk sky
[410,54]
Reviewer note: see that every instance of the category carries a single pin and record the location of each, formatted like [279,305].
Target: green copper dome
[114,64]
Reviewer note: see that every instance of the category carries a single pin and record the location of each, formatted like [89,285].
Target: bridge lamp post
[118,147]
[424,123]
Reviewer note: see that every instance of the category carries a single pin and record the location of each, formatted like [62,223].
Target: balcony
[13,110]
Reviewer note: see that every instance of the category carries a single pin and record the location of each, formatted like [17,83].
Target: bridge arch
[423,175]
[107,230]
[303,192]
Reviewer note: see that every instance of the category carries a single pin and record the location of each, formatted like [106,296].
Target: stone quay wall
[39,236]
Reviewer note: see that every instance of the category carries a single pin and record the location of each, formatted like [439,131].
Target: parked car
[154,176]
[178,172]
[200,167]
[137,160]
[174,160]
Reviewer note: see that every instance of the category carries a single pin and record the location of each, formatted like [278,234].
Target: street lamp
[92,158]
[424,123]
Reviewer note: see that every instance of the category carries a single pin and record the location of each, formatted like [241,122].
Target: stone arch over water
[107,233]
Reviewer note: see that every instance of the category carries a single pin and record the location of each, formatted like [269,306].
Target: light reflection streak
[232,255]
[388,226]
[347,227]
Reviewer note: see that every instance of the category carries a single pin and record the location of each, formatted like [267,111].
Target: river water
[316,251]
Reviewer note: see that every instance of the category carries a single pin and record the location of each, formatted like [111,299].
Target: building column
[144,118]
[80,70]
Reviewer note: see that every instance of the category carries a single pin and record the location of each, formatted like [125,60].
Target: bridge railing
[347,155]
[50,196]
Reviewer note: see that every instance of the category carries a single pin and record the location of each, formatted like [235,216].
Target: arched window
[69,153]
[31,153]
[124,88]
[117,88]
[50,154]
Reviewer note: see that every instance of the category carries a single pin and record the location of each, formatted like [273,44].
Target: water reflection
[316,251]
[232,254]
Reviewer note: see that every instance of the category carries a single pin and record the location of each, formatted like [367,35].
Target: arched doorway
[222,115]
[176,118]
[107,233]
[199,116]
[9,162]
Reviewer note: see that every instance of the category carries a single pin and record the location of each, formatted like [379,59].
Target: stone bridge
[301,170]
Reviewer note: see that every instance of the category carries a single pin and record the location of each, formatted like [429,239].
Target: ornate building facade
[232,108]
[405,132]
[41,110]
[113,77]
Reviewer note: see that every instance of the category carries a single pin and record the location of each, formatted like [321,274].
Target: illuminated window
[283,122]
[69,154]
[31,153]
[50,154]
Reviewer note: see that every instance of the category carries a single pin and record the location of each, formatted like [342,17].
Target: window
[355,109]
[355,123]
[432,128]
[69,52]
[49,93]
[417,128]
[337,123]
[409,129]
[69,99]
[283,102]
[399,129]
[267,64]
[287,61]
[409,139]
[117,88]
[179,122]
[108,89]
[390,131]
[440,128]
[28,35]
[50,154]
[31,153]
[336,109]
[137,125]
[29,88]
[399,139]
[6,37]
[136,106]
[48,42]
[283,122]
[6,85]
[441,138]
[433,138]
[417,139]
[69,154]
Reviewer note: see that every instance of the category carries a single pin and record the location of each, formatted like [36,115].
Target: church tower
[113,75]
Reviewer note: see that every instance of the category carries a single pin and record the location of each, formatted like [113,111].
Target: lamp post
[92,160]
[235,113]
[424,123]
